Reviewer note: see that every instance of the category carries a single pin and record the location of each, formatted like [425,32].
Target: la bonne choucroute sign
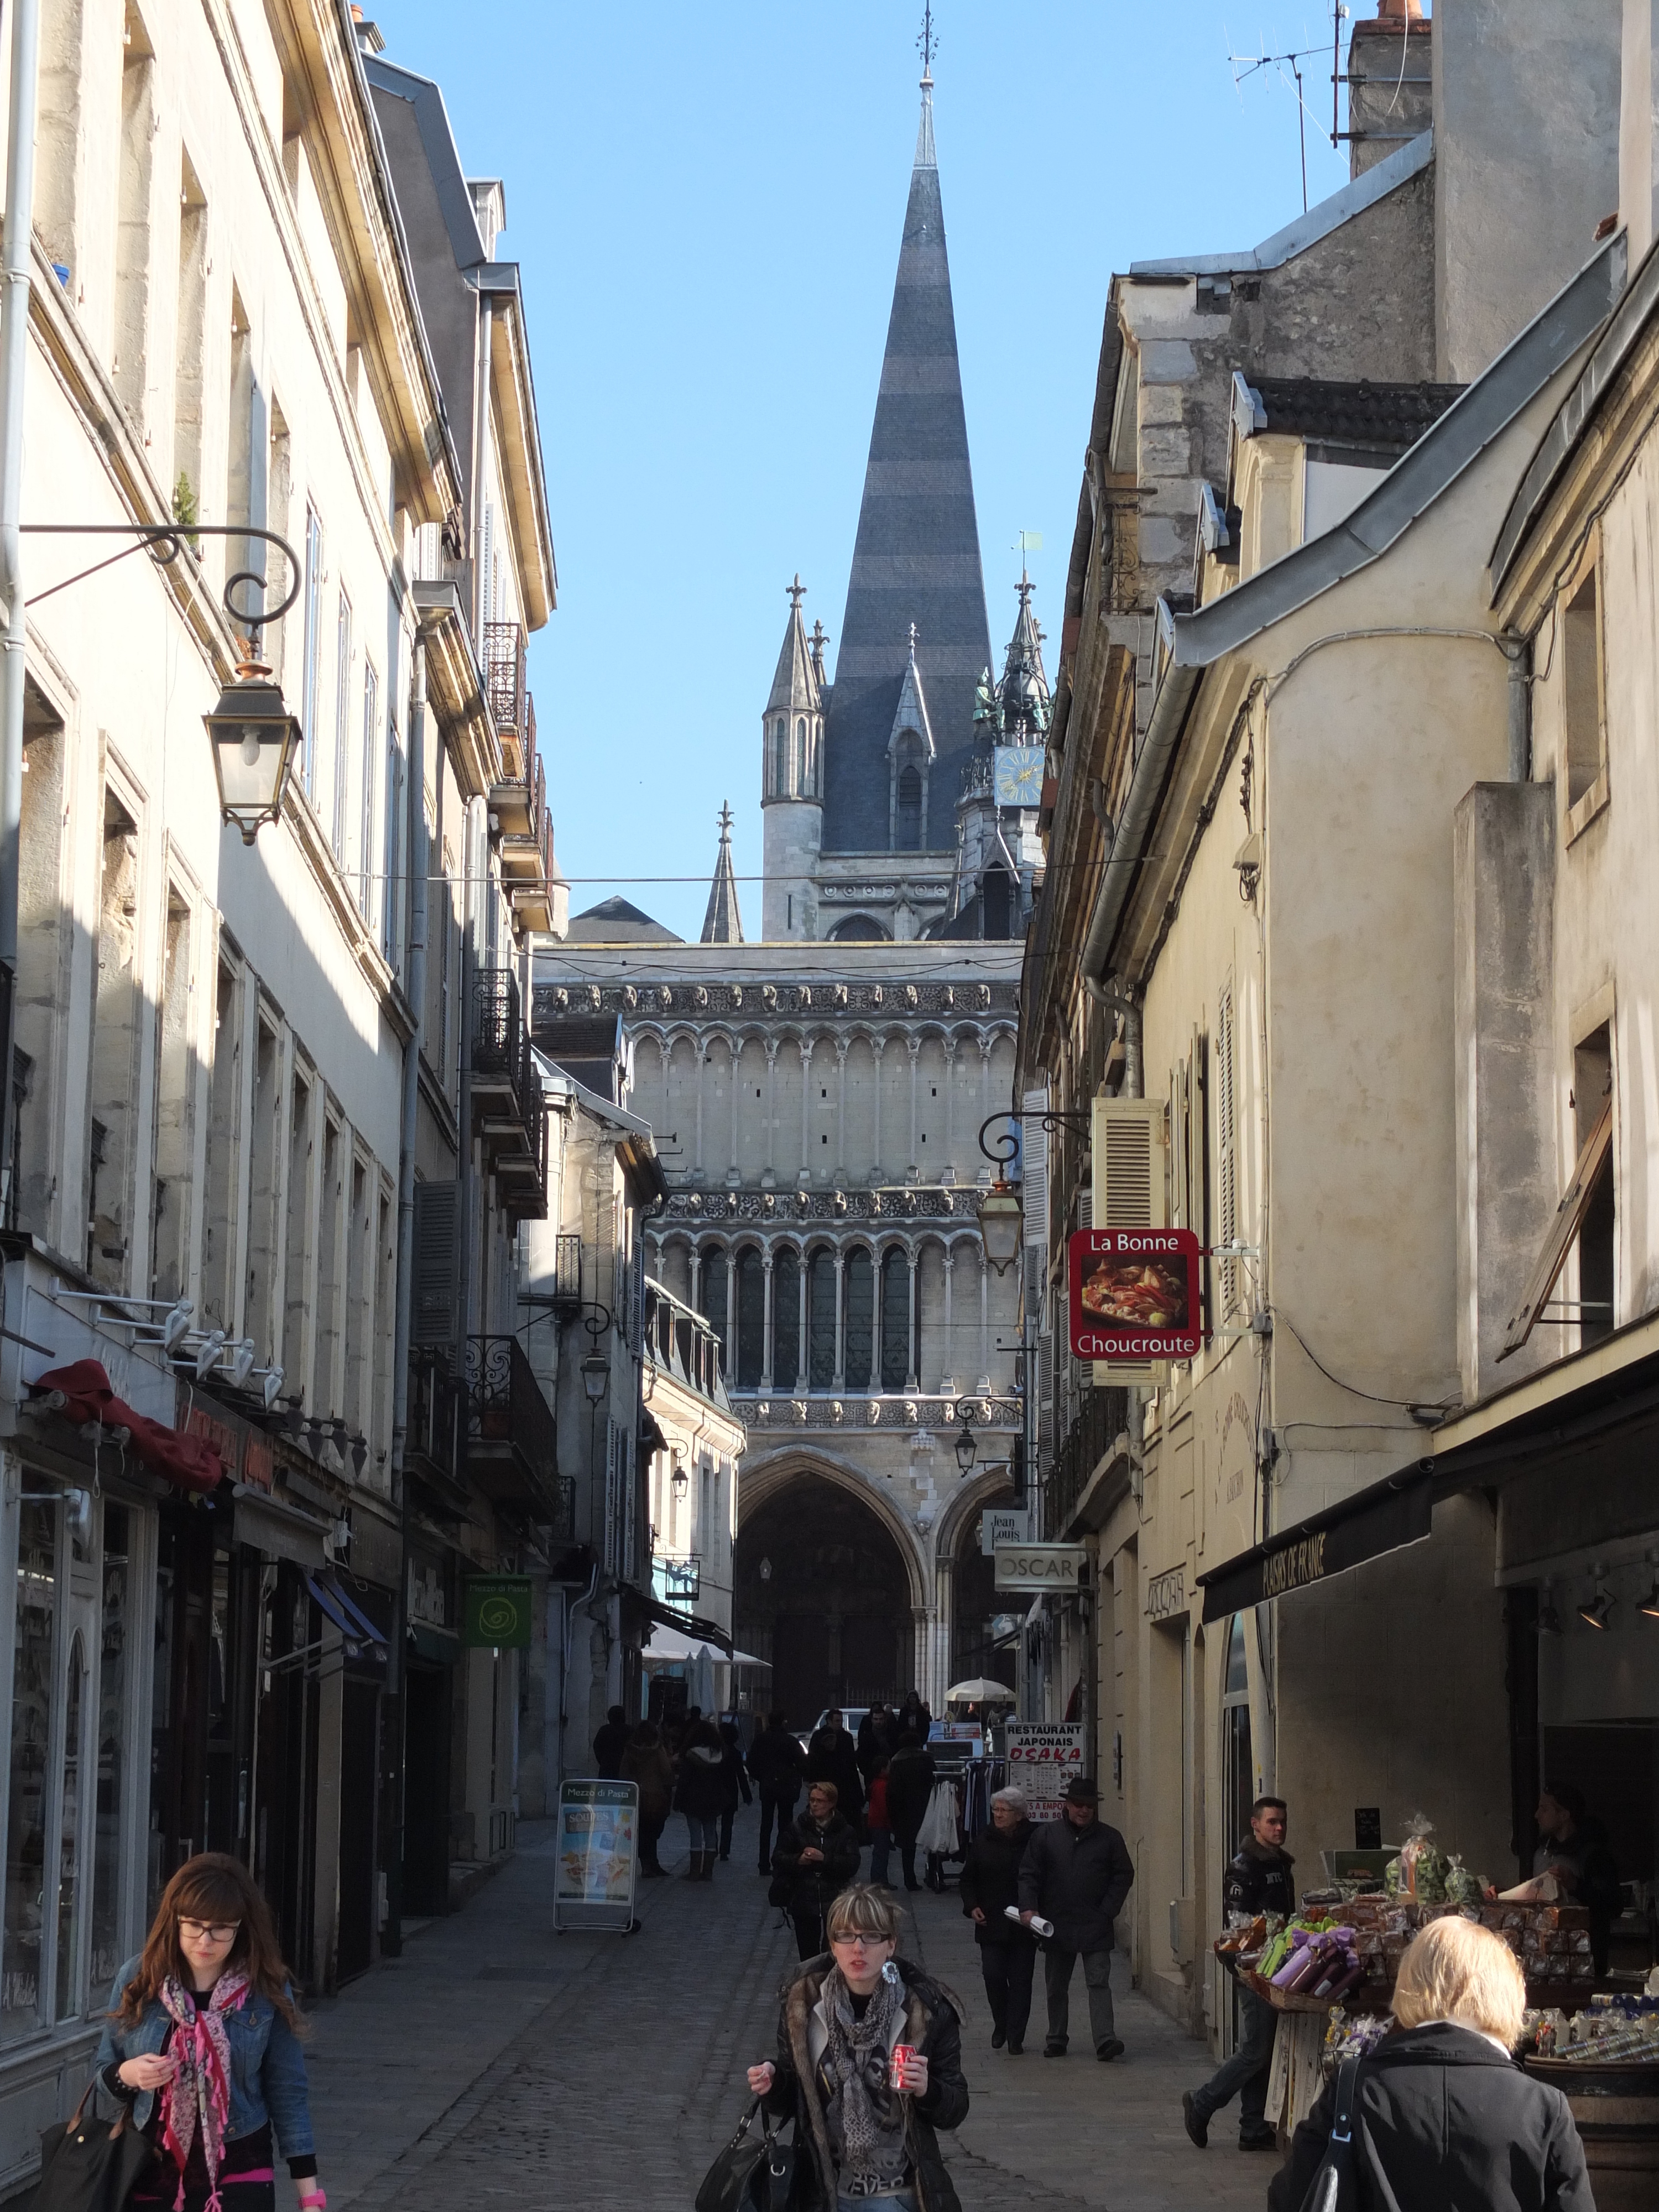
[1135,1294]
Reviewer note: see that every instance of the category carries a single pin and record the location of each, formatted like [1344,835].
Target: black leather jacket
[1259,1878]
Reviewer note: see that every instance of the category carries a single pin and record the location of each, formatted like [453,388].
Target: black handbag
[752,2173]
[1332,2189]
[86,2166]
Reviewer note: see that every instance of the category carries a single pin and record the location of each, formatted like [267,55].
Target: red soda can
[903,2052]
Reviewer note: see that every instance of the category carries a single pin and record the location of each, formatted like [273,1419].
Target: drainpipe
[391,1942]
[15,287]
[1517,652]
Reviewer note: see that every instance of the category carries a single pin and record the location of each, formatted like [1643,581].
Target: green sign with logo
[497,1612]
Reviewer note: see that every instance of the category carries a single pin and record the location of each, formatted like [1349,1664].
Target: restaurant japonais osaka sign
[1135,1294]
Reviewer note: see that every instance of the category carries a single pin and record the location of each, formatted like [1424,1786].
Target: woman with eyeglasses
[201,2040]
[866,2118]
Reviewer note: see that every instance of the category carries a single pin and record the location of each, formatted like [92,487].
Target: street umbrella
[980,1692]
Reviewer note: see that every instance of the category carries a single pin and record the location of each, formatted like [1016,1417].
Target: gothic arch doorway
[977,1603]
[820,1590]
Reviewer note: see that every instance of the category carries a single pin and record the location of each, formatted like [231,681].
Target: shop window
[69,1833]
[116,1657]
[786,1320]
[860,1297]
[1582,706]
[821,1320]
[895,1321]
[1592,1089]
[22,1997]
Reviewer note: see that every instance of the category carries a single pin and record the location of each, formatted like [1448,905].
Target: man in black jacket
[1258,1880]
[911,1775]
[608,1744]
[1076,1873]
[777,1767]
[831,1756]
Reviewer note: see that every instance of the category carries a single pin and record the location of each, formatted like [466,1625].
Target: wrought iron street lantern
[596,1374]
[1000,1216]
[255,739]
[967,1445]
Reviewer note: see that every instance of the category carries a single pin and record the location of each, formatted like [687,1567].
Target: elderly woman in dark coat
[1445,2120]
[866,2131]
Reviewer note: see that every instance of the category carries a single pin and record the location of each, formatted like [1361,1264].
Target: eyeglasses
[208,1931]
[859,1942]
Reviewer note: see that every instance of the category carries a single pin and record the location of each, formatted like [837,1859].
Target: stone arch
[965,1580]
[759,1483]
[861,929]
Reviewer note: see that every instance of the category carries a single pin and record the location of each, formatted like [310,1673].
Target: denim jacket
[267,2067]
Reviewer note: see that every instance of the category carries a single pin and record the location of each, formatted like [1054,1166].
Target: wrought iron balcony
[508,1109]
[510,1440]
[505,689]
[1102,1418]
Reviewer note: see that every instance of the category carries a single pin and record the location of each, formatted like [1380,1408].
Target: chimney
[1639,126]
[1390,83]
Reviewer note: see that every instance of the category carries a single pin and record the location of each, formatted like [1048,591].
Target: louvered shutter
[1226,1153]
[1035,1152]
[436,1263]
[1130,1190]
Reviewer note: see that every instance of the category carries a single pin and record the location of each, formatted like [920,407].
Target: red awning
[189,1462]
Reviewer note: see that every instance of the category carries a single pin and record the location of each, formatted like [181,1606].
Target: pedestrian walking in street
[201,2039]
[700,1794]
[1007,1949]
[816,1859]
[609,1742]
[645,1762]
[832,1756]
[1443,2120]
[866,2128]
[879,1825]
[1076,1873]
[911,1774]
[1259,1878]
[777,1767]
[734,1778]
[876,1740]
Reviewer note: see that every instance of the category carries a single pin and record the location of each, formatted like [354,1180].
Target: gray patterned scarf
[865,2113]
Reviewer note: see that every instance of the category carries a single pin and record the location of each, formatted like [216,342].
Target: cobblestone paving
[497,2061]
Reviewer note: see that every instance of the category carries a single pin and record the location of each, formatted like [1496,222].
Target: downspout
[14,288]
[1517,653]
[391,1942]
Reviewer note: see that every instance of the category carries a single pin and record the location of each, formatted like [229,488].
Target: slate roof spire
[917,558]
[795,681]
[722,924]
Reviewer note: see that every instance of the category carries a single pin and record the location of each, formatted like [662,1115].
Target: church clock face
[1017,774]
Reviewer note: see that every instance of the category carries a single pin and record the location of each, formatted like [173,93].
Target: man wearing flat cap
[1076,1873]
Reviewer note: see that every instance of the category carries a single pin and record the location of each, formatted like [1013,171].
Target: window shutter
[437,1269]
[1035,1154]
[1131,1180]
[1226,1149]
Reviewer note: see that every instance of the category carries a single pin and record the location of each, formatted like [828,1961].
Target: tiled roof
[1389,416]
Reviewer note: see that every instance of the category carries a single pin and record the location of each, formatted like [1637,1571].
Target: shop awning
[189,1462]
[669,1647]
[1381,1518]
[687,1624]
[358,1630]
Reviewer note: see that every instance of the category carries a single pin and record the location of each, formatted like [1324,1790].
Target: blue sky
[706,202]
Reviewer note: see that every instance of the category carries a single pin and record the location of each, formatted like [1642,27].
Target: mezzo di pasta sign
[1135,1294]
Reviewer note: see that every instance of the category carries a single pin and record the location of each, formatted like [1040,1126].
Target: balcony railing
[509,1111]
[1102,1418]
[504,681]
[512,1443]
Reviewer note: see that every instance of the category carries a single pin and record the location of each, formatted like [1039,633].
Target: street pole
[16,249]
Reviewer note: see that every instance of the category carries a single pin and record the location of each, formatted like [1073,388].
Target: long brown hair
[214,1887]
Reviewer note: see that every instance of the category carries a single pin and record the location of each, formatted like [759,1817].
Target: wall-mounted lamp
[1597,1611]
[680,1483]
[967,1445]
[596,1375]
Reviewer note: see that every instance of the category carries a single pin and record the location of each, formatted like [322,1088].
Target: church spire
[723,925]
[916,558]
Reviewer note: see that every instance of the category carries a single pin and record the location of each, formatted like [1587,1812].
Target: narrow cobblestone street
[496,2060]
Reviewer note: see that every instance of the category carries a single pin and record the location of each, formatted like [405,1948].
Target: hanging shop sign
[1036,1567]
[1042,1757]
[497,1612]
[1135,1294]
[1001,1524]
[593,1865]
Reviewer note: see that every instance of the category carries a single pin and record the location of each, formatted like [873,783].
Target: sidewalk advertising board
[1135,1294]
[594,1862]
[1042,1757]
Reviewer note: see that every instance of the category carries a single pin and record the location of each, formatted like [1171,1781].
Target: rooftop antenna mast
[1247,65]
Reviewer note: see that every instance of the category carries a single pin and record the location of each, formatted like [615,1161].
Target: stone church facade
[817,1097]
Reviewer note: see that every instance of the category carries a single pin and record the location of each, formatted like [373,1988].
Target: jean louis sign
[1135,1294]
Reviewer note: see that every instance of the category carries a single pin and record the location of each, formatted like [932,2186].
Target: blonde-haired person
[866,2143]
[1445,2119]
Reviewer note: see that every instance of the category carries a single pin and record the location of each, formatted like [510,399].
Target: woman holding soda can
[869,2066]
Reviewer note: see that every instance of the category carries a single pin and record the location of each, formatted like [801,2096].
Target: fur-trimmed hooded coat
[930,2024]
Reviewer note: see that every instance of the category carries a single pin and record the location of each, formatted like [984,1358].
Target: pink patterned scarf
[200,2089]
